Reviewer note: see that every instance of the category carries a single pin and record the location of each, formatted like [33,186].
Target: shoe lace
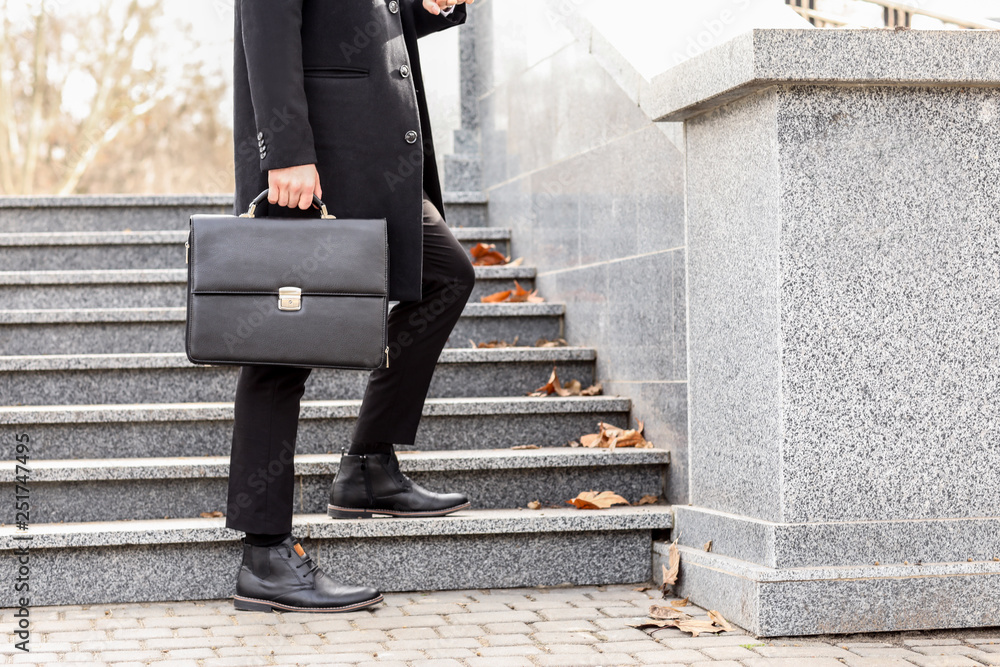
[306,560]
[393,467]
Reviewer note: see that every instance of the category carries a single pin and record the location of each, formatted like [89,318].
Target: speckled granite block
[734,310]
[463,172]
[840,544]
[512,371]
[466,142]
[472,214]
[766,57]
[839,600]
[114,330]
[72,432]
[153,560]
[86,257]
[88,213]
[112,490]
[137,294]
[82,251]
[111,213]
[155,288]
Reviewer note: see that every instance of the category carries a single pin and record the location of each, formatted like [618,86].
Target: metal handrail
[832,19]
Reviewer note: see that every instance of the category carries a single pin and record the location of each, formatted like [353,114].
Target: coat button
[404,71]
[411,137]
[393,6]
[263,155]
[260,136]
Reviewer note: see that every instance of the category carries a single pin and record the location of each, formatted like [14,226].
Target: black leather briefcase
[308,292]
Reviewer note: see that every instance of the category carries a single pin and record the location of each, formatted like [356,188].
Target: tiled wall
[594,193]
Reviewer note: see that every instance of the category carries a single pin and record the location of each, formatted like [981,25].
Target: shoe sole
[256,604]
[349,513]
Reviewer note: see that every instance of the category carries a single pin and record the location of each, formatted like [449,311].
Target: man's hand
[294,186]
[435,6]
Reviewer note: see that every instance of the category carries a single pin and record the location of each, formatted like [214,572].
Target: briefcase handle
[316,202]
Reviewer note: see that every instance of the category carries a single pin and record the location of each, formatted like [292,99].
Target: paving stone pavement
[560,626]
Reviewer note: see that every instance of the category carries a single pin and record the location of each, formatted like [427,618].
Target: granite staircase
[128,442]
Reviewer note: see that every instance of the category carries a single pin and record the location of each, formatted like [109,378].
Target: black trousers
[261,469]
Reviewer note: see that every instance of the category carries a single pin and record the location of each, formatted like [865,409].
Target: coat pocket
[336,72]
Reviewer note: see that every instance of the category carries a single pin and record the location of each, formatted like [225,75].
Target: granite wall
[594,193]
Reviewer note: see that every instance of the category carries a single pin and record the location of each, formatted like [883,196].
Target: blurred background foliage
[135,96]
[98,96]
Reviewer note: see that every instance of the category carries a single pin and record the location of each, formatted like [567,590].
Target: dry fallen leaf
[591,500]
[535,505]
[568,388]
[672,617]
[660,612]
[670,576]
[611,436]
[494,343]
[525,447]
[696,626]
[653,623]
[515,262]
[496,297]
[544,342]
[213,514]
[518,294]
[648,499]
[708,546]
[486,255]
[720,621]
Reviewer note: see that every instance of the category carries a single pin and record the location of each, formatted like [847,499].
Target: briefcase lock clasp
[289,298]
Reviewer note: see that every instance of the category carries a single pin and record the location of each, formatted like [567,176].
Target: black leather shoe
[284,578]
[369,484]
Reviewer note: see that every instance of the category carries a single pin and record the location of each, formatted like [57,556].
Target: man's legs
[417,332]
[261,473]
[261,469]
[369,480]
[276,572]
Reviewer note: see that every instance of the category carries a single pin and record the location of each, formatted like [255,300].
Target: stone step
[83,251]
[123,330]
[325,427]
[117,489]
[197,559]
[162,212]
[172,378]
[155,288]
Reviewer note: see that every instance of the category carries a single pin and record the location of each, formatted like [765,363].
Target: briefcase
[307,292]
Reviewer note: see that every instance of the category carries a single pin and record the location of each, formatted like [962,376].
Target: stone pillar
[843,227]
[463,168]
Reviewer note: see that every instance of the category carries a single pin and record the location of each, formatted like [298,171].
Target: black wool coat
[337,83]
